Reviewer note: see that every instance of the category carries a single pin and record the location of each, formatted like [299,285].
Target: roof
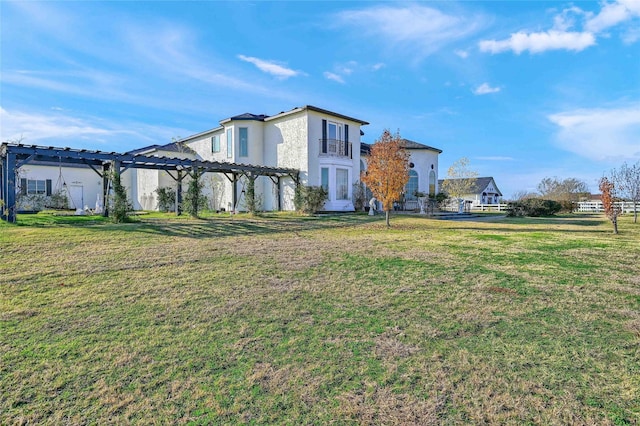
[481,184]
[177,146]
[246,116]
[409,144]
[316,109]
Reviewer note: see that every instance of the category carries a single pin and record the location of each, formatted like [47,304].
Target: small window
[215,143]
[229,143]
[244,141]
[342,184]
[324,178]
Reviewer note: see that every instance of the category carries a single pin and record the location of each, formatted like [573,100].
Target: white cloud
[561,38]
[600,134]
[613,14]
[485,89]
[335,77]
[462,53]
[271,67]
[378,66]
[540,42]
[422,30]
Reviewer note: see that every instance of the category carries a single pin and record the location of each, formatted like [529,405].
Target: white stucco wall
[82,184]
[423,160]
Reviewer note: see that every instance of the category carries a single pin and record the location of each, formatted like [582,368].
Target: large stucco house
[324,146]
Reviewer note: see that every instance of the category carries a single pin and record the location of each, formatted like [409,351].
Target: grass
[288,320]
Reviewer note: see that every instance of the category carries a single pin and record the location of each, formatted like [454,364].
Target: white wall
[423,159]
[83,184]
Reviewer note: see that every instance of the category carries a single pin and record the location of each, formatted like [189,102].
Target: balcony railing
[335,148]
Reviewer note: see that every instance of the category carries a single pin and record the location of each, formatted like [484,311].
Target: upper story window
[334,131]
[229,143]
[215,143]
[243,133]
[335,140]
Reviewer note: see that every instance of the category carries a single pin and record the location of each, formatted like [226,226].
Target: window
[432,183]
[324,178]
[411,187]
[215,143]
[229,143]
[35,187]
[244,141]
[342,184]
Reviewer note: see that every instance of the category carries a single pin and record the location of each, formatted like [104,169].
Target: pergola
[13,156]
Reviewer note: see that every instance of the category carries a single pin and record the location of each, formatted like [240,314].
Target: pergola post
[234,192]
[179,193]
[8,210]
[105,189]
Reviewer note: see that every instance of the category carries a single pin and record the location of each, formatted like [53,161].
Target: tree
[460,181]
[387,171]
[608,189]
[567,192]
[119,203]
[627,181]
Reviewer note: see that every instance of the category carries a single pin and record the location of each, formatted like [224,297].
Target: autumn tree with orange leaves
[387,170]
[608,198]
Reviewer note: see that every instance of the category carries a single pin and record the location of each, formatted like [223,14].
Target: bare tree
[568,191]
[627,181]
[460,181]
[524,195]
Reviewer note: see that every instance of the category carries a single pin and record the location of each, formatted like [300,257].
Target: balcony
[335,148]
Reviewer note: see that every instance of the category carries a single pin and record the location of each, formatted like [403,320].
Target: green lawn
[291,320]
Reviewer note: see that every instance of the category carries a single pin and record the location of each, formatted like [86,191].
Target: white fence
[596,206]
[489,207]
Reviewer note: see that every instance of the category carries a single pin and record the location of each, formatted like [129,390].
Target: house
[423,170]
[485,191]
[322,146]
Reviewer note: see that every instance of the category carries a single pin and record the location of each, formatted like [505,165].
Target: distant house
[485,191]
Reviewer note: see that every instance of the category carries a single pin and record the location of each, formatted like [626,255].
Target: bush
[533,207]
[252,201]
[194,200]
[166,199]
[359,196]
[119,203]
[309,199]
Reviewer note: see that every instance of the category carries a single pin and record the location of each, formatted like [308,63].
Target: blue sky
[525,90]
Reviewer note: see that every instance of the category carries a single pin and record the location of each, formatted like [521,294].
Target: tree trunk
[388,213]
[615,225]
[635,212]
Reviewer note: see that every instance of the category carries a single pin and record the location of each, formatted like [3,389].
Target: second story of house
[302,138]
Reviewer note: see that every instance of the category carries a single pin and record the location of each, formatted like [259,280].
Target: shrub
[309,199]
[252,202]
[359,196]
[194,200]
[533,207]
[166,199]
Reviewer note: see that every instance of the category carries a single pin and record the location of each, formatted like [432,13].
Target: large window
[324,178]
[229,143]
[243,133]
[215,143]
[412,186]
[334,131]
[342,184]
